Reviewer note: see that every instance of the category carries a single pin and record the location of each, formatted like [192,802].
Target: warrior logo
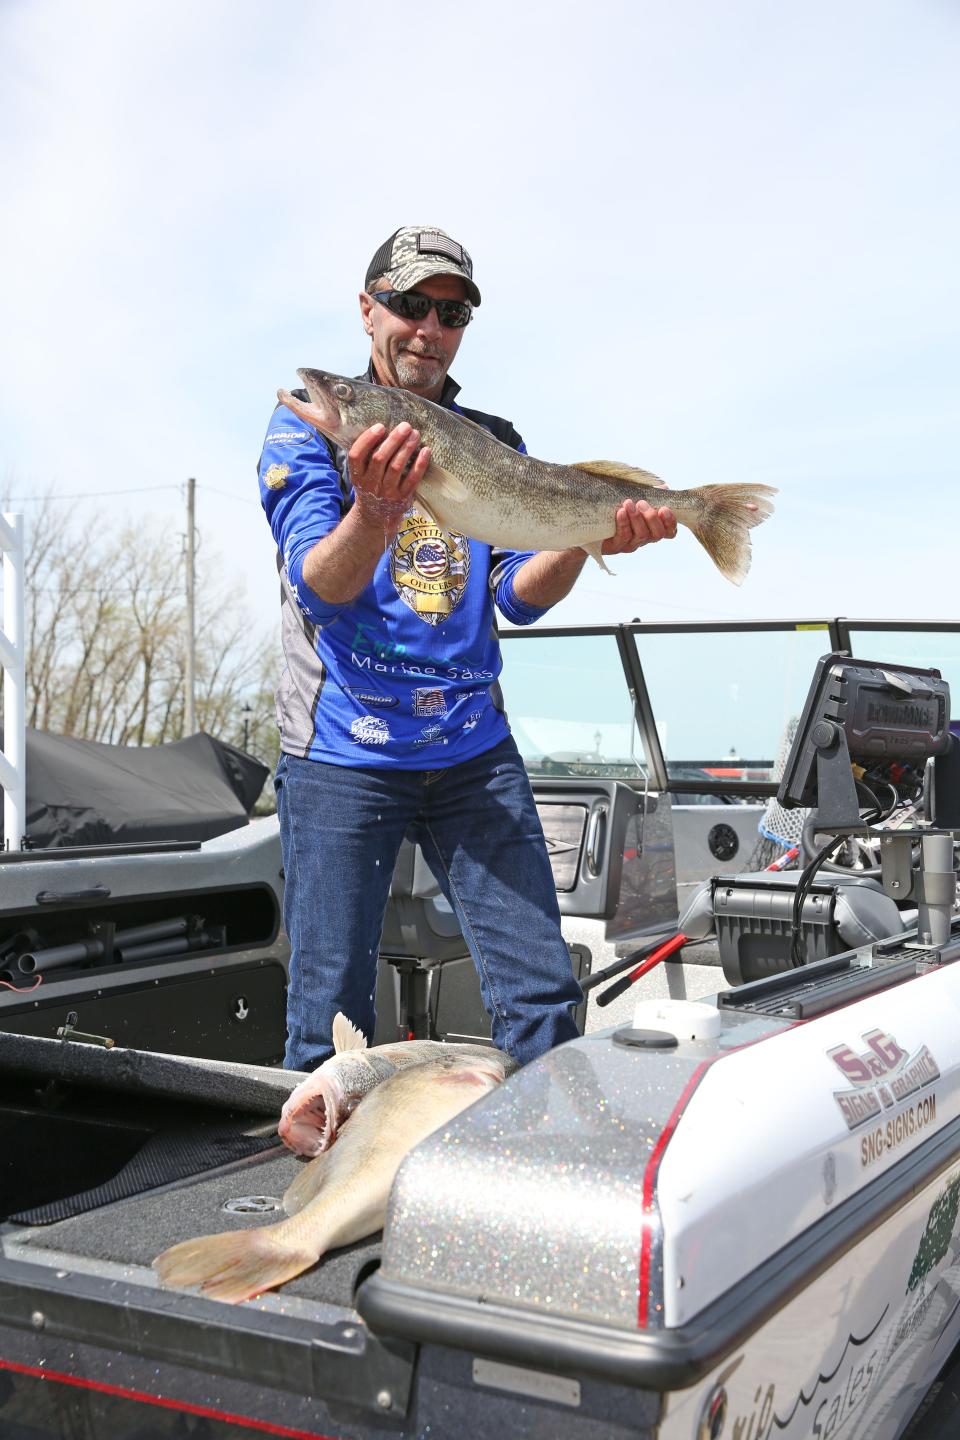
[429,702]
[369,730]
[287,437]
[429,568]
[374,700]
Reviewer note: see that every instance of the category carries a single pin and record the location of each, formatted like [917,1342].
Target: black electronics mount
[870,712]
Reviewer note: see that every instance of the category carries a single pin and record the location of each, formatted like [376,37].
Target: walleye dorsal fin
[346,1036]
[613,470]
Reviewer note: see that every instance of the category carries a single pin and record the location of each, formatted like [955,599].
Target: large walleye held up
[342,1195]
[478,486]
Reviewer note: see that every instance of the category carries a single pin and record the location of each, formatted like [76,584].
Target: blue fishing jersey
[405,675]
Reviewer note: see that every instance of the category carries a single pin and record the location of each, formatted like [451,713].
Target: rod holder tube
[59,955]
[155,949]
[937,890]
[177,945]
[158,930]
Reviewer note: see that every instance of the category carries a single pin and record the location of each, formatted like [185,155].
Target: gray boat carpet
[135,1230]
[170,1155]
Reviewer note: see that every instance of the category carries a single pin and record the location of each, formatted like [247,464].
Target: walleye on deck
[407,1090]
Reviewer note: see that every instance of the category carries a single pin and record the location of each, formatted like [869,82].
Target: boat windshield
[917,644]
[706,709]
[569,704]
[727,699]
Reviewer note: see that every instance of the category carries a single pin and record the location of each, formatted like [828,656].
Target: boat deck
[125,1236]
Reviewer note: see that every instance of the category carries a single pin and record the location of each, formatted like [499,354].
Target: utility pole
[190,709]
[13,754]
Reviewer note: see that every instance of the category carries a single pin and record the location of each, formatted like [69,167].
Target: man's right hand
[339,565]
[385,468]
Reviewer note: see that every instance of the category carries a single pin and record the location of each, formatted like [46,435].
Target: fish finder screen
[876,711]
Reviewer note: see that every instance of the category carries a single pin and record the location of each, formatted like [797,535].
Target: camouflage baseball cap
[415,252]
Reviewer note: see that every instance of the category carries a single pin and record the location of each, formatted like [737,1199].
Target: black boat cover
[81,792]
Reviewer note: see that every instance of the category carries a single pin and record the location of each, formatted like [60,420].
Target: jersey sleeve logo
[276,477]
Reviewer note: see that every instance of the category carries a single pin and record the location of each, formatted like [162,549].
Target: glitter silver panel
[534,1197]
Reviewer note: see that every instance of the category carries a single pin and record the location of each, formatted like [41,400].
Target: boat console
[864,724]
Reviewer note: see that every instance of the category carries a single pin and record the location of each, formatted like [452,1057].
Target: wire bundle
[808,874]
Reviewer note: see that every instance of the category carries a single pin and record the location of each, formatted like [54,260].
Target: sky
[718,239]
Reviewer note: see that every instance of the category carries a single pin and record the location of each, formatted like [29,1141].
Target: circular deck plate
[644,1039]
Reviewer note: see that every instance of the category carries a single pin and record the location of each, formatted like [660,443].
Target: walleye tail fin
[346,1036]
[236,1265]
[723,527]
[613,470]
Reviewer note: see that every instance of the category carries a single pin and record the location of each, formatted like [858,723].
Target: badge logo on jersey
[429,568]
[276,477]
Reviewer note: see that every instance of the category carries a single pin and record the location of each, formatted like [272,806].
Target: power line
[247,500]
[102,590]
[85,495]
[104,494]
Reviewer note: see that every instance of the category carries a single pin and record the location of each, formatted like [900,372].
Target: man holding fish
[396,540]
[393,509]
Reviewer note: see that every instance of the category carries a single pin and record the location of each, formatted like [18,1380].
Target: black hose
[807,878]
[808,850]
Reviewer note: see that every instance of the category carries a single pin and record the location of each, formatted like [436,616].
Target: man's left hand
[640,524]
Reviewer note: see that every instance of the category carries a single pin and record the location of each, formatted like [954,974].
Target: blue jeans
[477,824]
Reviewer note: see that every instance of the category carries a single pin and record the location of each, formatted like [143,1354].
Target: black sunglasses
[413,305]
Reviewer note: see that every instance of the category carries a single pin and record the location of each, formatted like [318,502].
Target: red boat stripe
[656,1155]
[650,1180]
[42,1373]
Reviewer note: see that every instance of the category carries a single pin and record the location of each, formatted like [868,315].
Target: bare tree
[106,641]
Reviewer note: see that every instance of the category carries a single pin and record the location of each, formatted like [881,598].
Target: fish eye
[342,391]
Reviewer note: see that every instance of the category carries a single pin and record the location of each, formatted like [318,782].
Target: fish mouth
[319,387]
[308,1120]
